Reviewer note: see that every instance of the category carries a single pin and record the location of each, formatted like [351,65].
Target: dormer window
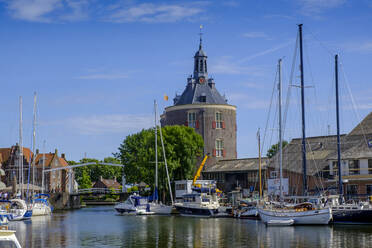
[203,98]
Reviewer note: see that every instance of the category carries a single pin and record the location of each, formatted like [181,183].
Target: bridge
[96,191]
[71,190]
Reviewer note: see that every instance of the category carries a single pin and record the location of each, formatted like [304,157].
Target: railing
[97,191]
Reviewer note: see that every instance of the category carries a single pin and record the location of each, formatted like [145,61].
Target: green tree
[182,147]
[275,148]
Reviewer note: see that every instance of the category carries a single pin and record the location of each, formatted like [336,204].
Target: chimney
[56,152]
[63,156]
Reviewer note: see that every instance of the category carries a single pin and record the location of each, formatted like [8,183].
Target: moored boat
[198,205]
[133,205]
[40,205]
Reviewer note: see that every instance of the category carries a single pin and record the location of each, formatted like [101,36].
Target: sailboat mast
[20,146]
[259,161]
[338,130]
[156,153]
[303,113]
[42,174]
[280,129]
[33,147]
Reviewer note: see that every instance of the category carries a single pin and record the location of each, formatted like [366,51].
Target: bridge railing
[97,191]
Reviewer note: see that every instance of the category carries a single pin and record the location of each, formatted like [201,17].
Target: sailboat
[305,213]
[346,213]
[157,207]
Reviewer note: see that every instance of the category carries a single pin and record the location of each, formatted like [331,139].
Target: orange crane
[197,174]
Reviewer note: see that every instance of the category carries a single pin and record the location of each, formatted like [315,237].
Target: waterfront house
[107,184]
[232,173]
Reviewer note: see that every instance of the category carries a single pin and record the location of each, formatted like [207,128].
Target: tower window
[219,148]
[205,65]
[203,98]
[191,119]
[219,123]
[201,65]
[196,65]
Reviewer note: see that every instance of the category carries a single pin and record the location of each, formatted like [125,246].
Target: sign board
[370,143]
[273,186]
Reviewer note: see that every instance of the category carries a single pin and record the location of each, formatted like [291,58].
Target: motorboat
[246,210]
[7,237]
[198,205]
[349,212]
[16,209]
[41,205]
[133,205]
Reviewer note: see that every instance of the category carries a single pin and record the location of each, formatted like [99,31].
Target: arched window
[201,65]
[205,65]
[196,65]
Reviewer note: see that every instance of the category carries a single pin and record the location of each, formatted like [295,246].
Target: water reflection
[101,227]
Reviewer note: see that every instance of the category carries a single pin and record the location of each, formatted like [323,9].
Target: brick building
[55,181]
[202,107]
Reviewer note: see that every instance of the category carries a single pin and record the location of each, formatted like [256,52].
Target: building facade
[203,108]
[55,181]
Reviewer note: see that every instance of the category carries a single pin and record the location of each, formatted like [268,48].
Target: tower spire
[201,35]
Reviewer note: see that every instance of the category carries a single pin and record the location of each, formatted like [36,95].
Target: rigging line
[331,53]
[290,86]
[316,166]
[353,102]
[269,112]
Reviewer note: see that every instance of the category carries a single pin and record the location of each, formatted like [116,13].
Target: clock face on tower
[201,80]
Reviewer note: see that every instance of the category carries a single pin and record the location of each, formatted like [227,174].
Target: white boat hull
[39,209]
[160,208]
[310,217]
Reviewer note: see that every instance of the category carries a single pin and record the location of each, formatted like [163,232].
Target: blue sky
[98,65]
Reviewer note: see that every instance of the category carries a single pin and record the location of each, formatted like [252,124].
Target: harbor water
[101,227]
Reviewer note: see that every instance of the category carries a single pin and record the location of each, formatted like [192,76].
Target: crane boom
[197,174]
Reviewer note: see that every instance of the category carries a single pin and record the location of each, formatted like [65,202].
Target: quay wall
[64,201]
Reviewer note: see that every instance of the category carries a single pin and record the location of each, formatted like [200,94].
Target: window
[205,65]
[335,168]
[191,120]
[369,189]
[180,186]
[219,120]
[201,65]
[219,148]
[369,166]
[352,189]
[203,98]
[354,167]
[273,174]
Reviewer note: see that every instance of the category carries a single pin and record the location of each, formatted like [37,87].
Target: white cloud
[256,35]
[33,10]
[315,7]
[108,124]
[225,65]
[122,11]
[104,76]
[267,51]
[360,46]
[148,12]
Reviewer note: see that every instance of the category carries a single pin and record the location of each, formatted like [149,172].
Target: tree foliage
[85,175]
[275,148]
[182,147]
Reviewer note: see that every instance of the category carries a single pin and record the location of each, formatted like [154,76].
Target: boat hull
[39,210]
[310,217]
[160,209]
[352,217]
[197,212]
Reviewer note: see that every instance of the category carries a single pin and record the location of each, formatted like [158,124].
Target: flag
[165,97]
